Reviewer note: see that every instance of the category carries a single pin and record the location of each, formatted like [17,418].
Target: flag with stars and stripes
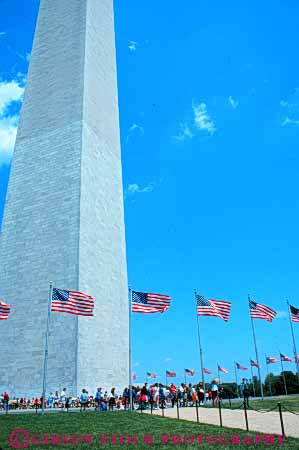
[294,313]
[148,303]
[151,375]
[4,310]
[259,311]
[170,374]
[285,358]
[297,358]
[222,369]
[134,376]
[207,371]
[254,364]
[238,366]
[271,360]
[189,372]
[72,302]
[215,308]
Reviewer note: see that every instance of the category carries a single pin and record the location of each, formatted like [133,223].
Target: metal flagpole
[270,385]
[218,373]
[252,379]
[200,349]
[130,350]
[238,393]
[283,375]
[46,347]
[294,342]
[256,352]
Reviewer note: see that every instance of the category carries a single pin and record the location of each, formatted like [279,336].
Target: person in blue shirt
[98,398]
[50,400]
[244,390]
[83,400]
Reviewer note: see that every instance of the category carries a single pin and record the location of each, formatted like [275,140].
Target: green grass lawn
[97,424]
[291,403]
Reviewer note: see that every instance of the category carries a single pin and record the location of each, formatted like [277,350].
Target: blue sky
[209,112]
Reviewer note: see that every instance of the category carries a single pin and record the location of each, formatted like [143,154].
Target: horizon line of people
[154,396]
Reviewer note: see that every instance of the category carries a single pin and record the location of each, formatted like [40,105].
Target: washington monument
[63,219]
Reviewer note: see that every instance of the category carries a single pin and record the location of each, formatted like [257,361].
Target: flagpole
[236,379]
[200,349]
[218,373]
[130,349]
[294,342]
[283,375]
[252,378]
[256,352]
[270,385]
[47,347]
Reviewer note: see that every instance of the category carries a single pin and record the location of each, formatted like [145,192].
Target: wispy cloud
[2,33]
[133,129]
[11,94]
[282,315]
[202,120]
[184,133]
[136,364]
[290,106]
[137,189]
[132,46]
[283,103]
[289,121]
[233,103]
[167,359]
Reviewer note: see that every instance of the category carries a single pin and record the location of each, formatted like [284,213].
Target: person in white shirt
[63,397]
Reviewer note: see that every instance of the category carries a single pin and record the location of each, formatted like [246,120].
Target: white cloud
[132,46]
[202,119]
[11,92]
[167,359]
[136,364]
[137,189]
[283,103]
[184,133]
[2,33]
[288,121]
[282,315]
[234,103]
[133,129]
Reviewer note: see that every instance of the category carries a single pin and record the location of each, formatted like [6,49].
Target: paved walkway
[268,423]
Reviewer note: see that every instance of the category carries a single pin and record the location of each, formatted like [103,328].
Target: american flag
[170,374]
[222,369]
[189,372]
[72,302]
[151,375]
[271,360]
[259,311]
[285,358]
[4,310]
[147,303]
[238,366]
[294,313]
[207,371]
[216,308]
[254,364]
[134,376]
[297,358]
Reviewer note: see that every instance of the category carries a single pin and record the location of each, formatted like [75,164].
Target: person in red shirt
[172,390]
[5,401]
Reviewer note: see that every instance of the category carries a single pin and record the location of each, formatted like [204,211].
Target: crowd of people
[148,396]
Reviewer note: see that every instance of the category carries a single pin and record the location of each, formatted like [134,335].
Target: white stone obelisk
[64,219]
